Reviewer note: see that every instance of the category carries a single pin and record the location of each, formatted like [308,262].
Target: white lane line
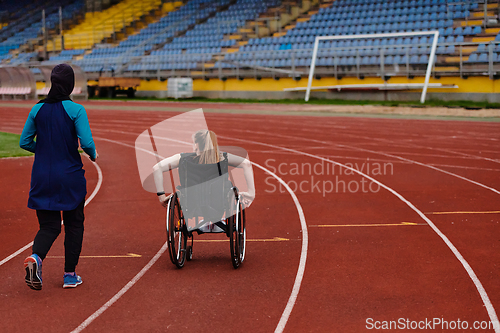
[414,145]
[98,186]
[15,254]
[389,155]
[303,256]
[482,292]
[117,296]
[464,155]
[427,166]
[373,160]
[298,278]
[96,189]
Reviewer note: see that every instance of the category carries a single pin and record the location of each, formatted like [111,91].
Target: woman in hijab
[57,179]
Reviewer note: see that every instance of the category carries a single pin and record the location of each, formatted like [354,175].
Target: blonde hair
[207,144]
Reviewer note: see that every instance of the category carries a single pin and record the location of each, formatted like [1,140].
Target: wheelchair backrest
[204,187]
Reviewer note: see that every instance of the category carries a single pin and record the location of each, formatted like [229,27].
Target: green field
[9,146]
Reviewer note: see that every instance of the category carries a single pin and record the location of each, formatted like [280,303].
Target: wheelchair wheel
[237,232]
[176,232]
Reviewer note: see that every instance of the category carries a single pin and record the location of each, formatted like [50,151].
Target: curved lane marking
[298,278]
[96,189]
[482,292]
[390,155]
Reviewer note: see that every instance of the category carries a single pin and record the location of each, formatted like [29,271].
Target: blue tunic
[57,177]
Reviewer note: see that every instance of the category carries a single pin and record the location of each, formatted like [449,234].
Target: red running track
[371,258]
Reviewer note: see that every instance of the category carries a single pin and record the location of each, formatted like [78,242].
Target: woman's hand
[164,199]
[247,198]
[96,156]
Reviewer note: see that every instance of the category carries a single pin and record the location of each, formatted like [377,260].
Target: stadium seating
[199,44]
[197,35]
[29,26]
[100,25]
[156,33]
[347,17]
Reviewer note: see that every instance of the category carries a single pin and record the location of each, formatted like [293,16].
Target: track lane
[305,297]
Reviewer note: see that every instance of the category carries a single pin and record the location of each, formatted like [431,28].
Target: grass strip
[9,146]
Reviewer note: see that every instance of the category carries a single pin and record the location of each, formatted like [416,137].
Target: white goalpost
[432,57]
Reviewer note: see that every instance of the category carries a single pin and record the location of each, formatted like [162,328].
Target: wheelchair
[205,198]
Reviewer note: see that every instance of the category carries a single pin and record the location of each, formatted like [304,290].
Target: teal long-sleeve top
[57,177]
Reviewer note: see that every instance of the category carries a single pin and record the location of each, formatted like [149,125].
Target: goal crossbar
[382,86]
[432,56]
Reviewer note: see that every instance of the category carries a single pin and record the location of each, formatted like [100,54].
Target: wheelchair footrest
[211,228]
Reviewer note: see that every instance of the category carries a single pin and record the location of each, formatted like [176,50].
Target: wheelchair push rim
[176,232]
[237,232]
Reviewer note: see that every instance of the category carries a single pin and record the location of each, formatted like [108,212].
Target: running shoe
[33,267]
[71,280]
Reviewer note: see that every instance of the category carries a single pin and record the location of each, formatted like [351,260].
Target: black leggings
[50,228]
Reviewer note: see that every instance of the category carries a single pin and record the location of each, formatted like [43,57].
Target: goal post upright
[313,64]
[432,55]
[429,66]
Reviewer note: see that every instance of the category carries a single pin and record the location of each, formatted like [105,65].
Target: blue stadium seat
[481,48]
[414,59]
[483,57]
[424,59]
[374,60]
[450,49]
[473,58]
[448,32]
[477,30]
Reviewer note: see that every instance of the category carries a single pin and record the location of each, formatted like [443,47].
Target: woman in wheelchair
[205,192]
[206,151]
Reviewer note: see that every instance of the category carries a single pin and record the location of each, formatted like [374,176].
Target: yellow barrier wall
[469,85]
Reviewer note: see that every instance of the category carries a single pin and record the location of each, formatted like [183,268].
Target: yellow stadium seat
[99,25]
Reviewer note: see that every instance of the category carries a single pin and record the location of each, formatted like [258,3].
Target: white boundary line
[424,165]
[122,291]
[350,148]
[419,146]
[298,278]
[303,256]
[96,189]
[15,254]
[482,292]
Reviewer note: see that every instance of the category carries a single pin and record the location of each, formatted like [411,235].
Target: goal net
[397,36]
